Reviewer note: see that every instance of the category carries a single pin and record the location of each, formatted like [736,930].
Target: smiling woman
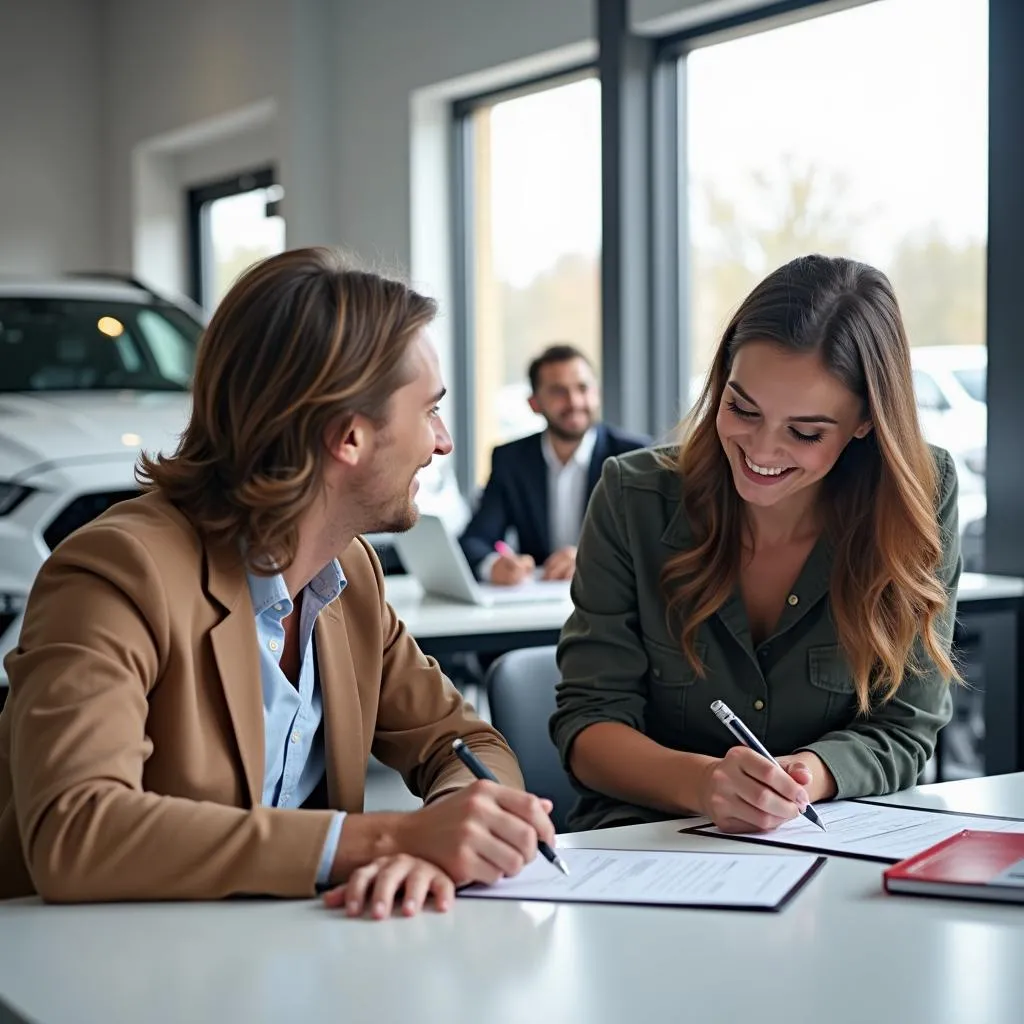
[766,442]
[796,556]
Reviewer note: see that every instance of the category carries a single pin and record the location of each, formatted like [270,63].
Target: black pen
[481,771]
[748,739]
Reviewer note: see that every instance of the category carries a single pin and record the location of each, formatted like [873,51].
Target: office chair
[521,695]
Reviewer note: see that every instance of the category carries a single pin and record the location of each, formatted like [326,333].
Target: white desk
[842,952]
[976,587]
[443,626]
[990,611]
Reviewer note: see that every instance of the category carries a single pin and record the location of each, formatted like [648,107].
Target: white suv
[949,383]
[92,370]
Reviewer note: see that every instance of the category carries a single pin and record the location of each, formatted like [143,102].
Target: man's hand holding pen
[481,833]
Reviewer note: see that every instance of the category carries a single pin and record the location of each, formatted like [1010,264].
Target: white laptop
[431,554]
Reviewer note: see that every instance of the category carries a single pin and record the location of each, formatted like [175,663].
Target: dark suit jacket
[516,496]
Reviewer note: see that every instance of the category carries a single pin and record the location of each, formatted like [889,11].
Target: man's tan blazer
[132,742]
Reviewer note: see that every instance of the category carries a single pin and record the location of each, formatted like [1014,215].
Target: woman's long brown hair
[301,343]
[880,498]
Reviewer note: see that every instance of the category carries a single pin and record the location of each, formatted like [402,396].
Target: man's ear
[533,404]
[864,429]
[347,440]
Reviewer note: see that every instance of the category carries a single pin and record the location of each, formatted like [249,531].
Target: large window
[859,133]
[533,245]
[234,223]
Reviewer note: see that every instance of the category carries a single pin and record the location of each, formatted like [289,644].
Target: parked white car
[92,371]
[950,386]
[949,383]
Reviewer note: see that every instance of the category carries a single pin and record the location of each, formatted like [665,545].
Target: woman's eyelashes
[749,414]
[807,438]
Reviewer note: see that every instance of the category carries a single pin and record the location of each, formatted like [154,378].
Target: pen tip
[561,865]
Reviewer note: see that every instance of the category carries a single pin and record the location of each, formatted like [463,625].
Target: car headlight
[11,496]
[976,461]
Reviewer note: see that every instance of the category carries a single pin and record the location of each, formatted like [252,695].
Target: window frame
[463,227]
[672,333]
[197,199]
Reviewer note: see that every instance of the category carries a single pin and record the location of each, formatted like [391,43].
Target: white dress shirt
[567,494]
[294,756]
[567,490]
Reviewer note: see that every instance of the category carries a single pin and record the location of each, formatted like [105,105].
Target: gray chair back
[521,695]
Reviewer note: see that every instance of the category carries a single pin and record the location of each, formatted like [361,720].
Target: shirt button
[272,645]
[793,600]
[278,607]
[759,705]
[295,736]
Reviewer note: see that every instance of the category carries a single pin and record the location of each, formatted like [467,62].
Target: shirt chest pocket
[832,681]
[671,680]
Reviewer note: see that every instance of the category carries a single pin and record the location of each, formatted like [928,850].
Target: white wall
[173,66]
[226,156]
[50,137]
[200,72]
[341,75]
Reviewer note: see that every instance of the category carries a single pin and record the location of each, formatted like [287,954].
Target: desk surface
[982,587]
[841,952]
[428,617]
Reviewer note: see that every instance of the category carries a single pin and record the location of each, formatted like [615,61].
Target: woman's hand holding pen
[745,792]
[821,785]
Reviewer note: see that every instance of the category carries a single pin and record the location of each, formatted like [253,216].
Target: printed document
[666,878]
[875,831]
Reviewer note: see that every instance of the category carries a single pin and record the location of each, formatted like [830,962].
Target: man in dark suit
[540,485]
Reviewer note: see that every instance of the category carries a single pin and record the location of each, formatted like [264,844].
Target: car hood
[54,428]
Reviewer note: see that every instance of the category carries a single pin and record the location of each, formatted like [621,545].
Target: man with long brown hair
[204,670]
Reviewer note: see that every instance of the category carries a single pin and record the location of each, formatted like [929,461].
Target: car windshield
[972,380]
[93,345]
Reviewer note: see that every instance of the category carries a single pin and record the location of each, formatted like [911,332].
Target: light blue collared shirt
[293,716]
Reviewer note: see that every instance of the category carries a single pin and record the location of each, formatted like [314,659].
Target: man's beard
[570,435]
[396,513]
[399,514]
[398,518]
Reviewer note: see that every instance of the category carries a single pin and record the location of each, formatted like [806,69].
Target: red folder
[970,865]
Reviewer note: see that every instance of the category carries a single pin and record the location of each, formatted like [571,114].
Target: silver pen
[748,739]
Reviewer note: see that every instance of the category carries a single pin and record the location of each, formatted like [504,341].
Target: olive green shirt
[620,663]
